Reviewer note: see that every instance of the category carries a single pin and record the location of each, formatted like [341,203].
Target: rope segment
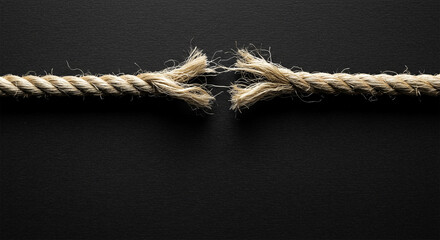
[273,80]
[170,81]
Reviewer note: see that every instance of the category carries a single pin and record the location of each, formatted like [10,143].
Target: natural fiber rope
[280,80]
[171,81]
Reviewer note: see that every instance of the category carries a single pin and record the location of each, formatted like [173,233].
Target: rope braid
[280,80]
[171,82]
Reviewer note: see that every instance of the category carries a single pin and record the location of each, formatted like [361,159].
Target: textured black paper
[151,168]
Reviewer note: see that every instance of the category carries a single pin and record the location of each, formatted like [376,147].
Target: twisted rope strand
[280,80]
[171,82]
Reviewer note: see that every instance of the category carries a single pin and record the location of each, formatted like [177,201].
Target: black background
[123,168]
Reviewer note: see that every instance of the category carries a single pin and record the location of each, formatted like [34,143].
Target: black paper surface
[151,168]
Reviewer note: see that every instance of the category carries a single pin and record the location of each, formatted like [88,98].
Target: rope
[171,82]
[280,80]
[271,80]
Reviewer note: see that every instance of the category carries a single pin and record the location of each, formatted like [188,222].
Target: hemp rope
[280,80]
[171,82]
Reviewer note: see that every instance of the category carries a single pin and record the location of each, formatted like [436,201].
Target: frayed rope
[271,80]
[171,82]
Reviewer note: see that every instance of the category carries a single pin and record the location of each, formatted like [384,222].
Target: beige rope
[171,81]
[280,80]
